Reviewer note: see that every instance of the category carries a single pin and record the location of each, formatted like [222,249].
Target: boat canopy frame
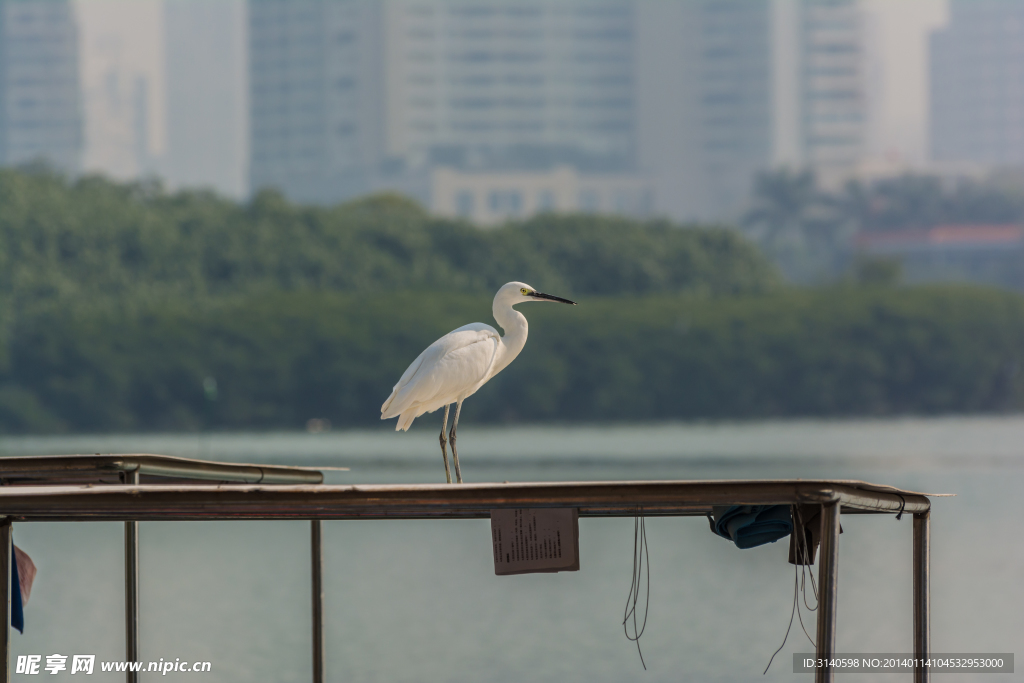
[143,487]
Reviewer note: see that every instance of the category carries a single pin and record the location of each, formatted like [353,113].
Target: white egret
[452,369]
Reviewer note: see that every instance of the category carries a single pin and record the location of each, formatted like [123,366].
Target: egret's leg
[444,453]
[451,437]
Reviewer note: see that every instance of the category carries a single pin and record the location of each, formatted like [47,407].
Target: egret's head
[518,292]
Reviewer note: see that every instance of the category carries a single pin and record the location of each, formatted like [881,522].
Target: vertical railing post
[828,574]
[318,601]
[922,592]
[6,572]
[131,589]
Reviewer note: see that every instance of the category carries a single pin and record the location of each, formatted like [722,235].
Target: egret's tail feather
[384,412]
[405,421]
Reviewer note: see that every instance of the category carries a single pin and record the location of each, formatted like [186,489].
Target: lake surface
[418,600]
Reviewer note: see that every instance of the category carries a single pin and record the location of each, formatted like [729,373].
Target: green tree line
[124,307]
[277,361]
[93,239]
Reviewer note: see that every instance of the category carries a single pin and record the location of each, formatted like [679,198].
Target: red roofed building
[991,254]
[944,238]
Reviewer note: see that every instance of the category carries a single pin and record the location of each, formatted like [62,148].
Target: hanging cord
[903,504]
[641,573]
[803,554]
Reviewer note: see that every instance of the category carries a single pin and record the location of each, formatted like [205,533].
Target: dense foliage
[94,239]
[126,308]
[277,361]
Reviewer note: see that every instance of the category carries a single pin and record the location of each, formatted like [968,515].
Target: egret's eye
[525,291]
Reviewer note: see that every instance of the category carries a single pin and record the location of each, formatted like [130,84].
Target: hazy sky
[126,35]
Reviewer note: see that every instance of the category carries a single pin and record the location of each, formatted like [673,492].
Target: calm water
[418,601]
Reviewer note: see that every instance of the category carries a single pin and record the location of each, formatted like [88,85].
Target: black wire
[804,557]
[804,573]
[903,504]
[788,627]
[641,563]
[799,572]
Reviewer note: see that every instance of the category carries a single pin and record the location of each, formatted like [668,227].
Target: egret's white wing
[449,369]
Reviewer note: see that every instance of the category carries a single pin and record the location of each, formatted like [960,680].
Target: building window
[508,202]
[624,203]
[590,201]
[546,200]
[464,203]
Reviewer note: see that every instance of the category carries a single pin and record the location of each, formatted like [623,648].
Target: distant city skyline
[348,97]
[897,96]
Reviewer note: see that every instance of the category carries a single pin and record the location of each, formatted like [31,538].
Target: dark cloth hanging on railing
[749,526]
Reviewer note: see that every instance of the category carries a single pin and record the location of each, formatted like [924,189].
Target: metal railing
[131,469]
[132,502]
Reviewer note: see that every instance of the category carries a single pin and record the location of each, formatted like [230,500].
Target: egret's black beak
[551,297]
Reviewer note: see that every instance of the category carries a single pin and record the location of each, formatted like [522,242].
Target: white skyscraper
[122,87]
[834,111]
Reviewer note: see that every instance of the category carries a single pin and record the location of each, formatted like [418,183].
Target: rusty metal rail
[112,469]
[593,499]
[179,500]
[74,472]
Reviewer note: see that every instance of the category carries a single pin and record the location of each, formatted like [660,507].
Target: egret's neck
[515,327]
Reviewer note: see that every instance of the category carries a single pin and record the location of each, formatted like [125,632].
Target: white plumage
[449,370]
[455,366]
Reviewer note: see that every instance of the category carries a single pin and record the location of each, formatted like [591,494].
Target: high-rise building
[205,76]
[977,84]
[350,96]
[694,97]
[521,85]
[315,97]
[729,88]
[40,101]
[715,133]
[833,112]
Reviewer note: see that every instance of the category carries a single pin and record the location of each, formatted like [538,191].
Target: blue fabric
[749,526]
[17,612]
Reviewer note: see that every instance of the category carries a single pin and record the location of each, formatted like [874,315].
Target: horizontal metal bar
[64,467]
[881,502]
[679,498]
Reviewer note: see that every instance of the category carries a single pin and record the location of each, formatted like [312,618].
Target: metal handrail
[106,468]
[133,502]
[29,473]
